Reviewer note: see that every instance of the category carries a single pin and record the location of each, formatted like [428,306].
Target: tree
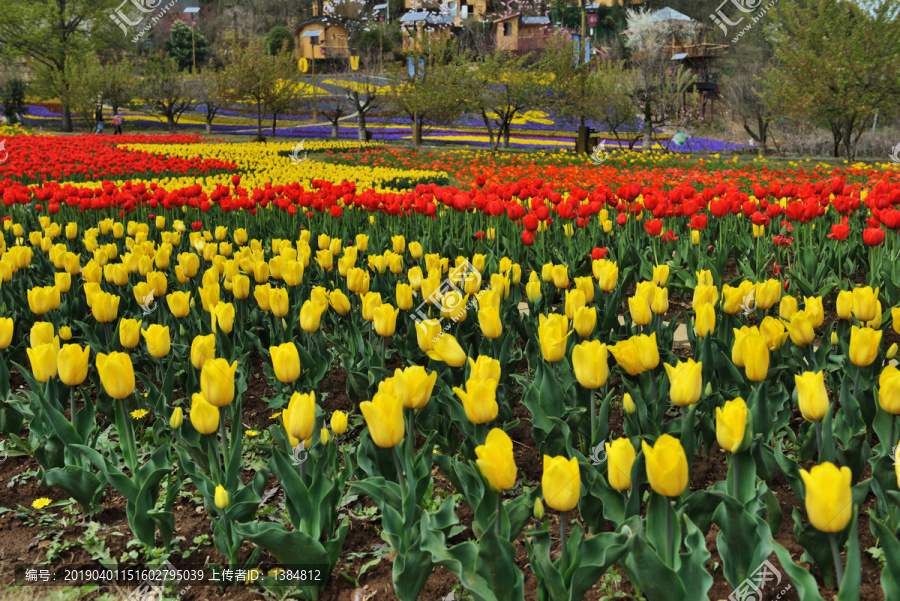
[438,96]
[657,90]
[362,94]
[837,64]
[264,80]
[12,95]
[277,38]
[84,86]
[333,108]
[211,90]
[180,46]
[504,86]
[745,92]
[166,89]
[615,110]
[52,32]
[117,82]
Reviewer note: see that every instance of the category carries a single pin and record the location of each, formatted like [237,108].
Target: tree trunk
[506,135]
[487,124]
[170,121]
[334,129]
[259,119]
[417,131]
[361,126]
[274,122]
[66,117]
[648,128]
[836,136]
[208,124]
[763,135]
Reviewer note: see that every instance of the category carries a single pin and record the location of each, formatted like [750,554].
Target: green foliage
[12,96]
[279,37]
[182,47]
[373,39]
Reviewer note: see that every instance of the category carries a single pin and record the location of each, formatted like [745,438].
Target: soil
[28,545]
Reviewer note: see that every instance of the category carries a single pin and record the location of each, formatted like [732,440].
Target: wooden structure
[520,34]
[325,37]
[420,27]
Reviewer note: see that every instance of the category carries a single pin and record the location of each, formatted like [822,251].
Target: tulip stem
[213,459]
[398,467]
[669,559]
[72,406]
[499,510]
[736,466]
[593,416]
[813,364]
[818,425]
[891,439]
[836,554]
[856,381]
[383,347]
[411,433]
[562,540]
[223,444]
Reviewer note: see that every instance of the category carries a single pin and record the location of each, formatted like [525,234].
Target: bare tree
[362,94]
[166,89]
[657,89]
[745,93]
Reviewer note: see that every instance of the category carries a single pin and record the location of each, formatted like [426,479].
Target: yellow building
[325,37]
[516,33]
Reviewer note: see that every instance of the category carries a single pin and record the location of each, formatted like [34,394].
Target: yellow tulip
[404,296]
[447,349]
[62,281]
[767,294]
[621,455]
[661,275]
[489,321]
[704,294]
[639,309]
[203,348]
[628,404]
[732,300]
[895,319]
[560,276]
[6,331]
[547,272]
[427,331]
[585,321]
[647,351]
[788,307]
[221,496]
[533,291]
[385,320]
[864,304]
[800,329]
[889,390]
[158,340]
[338,422]
[217,382]
[370,301]
[223,317]
[384,417]
[65,333]
[278,302]
[705,320]
[240,287]
[627,356]
[774,332]
[755,354]
[704,278]
[43,299]
[590,361]
[41,333]
[667,467]
[43,360]
[864,343]
[732,426]
[844,304]
[646,290]
[552,334]
[399,243]
[574,300]
[204,417]
[812,395]
[129,332]
[362,242]
[415,278]
[300,415]
[339,302]
[415,250]
[829,496]
[485,368]
[685,382]
[72,363]
[116,374]
[561,483]
[285,362]
[179,304]
[177,418]
[413,386]
[812,305]
[607,274]
[586,286]
[479,399]
[660,302]
[495,460]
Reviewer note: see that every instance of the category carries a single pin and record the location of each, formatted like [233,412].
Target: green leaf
[890,574]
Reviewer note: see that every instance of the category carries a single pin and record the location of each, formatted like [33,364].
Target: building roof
[413,16]
[430,18]
[669,14]
[536,20]
[679,56]
[326,21]
[312,33]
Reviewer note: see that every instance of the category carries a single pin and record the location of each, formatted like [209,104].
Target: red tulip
[654,227]
[527,238]
[840,231]
[873,236]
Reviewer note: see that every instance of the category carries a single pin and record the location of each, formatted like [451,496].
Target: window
[332,36]
[507,29]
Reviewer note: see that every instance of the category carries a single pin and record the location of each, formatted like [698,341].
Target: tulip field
[378,373]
